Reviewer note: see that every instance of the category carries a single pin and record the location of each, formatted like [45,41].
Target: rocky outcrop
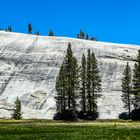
[29,66]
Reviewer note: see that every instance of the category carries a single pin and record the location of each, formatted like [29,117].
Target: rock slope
[29,66]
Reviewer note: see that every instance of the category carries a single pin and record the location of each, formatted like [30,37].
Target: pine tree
[136,83]
[30,28]
[82,35]
[93,85]
[83,84]
[88,82]
[61,93]
[95,82]
[75,83]
[37,33]
[51,33]
[9,29]
[70,64]
[17,110]
[127,88]
[67,85]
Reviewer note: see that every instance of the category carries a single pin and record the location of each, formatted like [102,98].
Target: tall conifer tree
[71,67]
[67,84]
[88,81]
[17,110]
[136,83]
[30,28]
[95,82]
[83,84]
[61,93]
[93,85]
[127,88]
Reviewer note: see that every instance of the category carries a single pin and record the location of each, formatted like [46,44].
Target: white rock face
[29,66]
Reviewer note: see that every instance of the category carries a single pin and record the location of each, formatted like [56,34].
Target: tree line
[29,30]
[77,87]
[81,35]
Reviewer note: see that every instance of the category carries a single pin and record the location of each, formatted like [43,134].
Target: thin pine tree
[71,68]
[83,84]
[95,84]
[88,82]
[30,28]
[127,88]
[67,85]
[17,110]
[136,83]
[61,94]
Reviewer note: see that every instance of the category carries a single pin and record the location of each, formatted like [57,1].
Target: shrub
[92,115]
[124,116]
[68,115]
[82,115]
[135,114]
[88,115]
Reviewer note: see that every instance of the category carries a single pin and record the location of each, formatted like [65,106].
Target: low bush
[135,114]
[124,116]
[68,115]
[87,115]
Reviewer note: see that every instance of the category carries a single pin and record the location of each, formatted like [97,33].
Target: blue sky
[108,20]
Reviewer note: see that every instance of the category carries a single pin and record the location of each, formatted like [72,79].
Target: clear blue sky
[108,20]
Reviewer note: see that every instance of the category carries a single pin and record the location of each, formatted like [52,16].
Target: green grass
[52,130]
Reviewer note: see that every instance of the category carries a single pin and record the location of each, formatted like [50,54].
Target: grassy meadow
[81,130]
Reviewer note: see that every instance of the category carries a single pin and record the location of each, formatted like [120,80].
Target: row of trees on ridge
[82,35]
[30,30]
